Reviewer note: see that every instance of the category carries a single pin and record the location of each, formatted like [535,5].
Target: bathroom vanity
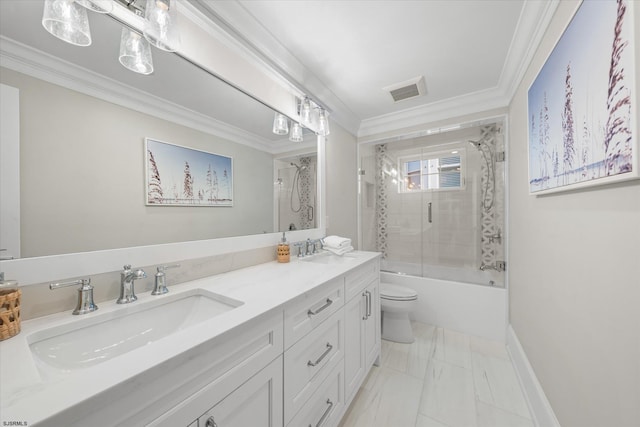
[269,345]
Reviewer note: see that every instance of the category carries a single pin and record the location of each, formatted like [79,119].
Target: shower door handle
[429,216]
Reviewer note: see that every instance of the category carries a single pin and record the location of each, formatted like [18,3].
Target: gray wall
[342,184]
[82,176]
[575,278]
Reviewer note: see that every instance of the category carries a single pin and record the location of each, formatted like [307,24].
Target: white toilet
[396,303]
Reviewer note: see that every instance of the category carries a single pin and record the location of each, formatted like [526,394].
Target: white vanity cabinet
[362,324]
[256,403]
[245,384]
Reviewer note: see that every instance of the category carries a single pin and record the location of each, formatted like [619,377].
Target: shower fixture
[490,161]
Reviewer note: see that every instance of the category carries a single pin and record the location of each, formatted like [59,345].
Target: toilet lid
[397,293]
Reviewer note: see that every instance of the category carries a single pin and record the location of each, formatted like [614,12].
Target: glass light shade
[305,110]
[135,52]
[280,124]
[323,123]
[100,6]
[68,21]
[160,27]
[296,133]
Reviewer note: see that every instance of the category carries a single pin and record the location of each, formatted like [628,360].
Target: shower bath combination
[449,225]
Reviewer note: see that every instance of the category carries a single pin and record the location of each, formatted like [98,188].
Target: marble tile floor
[444,379]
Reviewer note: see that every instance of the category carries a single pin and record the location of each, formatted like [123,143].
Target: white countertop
[28,395]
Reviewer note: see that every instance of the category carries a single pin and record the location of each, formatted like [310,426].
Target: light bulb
[323,123]
[305,110]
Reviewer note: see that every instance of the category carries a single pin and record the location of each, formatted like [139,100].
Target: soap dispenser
[283,249]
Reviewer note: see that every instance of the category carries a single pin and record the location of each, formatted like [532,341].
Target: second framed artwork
[182,176]
[582,106]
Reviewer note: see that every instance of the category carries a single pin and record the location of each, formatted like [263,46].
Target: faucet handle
[162,268]
[85,302]
[160,286]
[84,282]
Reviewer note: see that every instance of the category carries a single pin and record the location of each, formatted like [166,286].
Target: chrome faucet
[85,302]
[127,290]
[161,280]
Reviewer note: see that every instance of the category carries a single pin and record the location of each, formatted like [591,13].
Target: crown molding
[453,107]
[38,64]
[534,20]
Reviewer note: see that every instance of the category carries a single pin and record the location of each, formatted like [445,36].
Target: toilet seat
[397,293]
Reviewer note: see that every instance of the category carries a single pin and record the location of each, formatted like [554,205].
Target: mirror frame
[256,80]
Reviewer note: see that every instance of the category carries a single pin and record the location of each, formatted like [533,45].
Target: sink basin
[329,258]
[102,337]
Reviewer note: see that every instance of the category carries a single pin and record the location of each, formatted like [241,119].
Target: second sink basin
[104,336]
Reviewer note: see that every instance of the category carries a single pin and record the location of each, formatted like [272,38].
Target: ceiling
[471,53]
[345,52]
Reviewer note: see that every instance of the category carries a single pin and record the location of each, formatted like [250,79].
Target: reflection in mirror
[82,157]
[295,191]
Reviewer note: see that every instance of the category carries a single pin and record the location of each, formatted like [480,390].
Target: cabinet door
[372,324]
[354,358]
[256,403]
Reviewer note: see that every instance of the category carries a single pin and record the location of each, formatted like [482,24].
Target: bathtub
[455,274]
[469,308]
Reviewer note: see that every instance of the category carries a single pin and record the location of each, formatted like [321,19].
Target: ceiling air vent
[407,90]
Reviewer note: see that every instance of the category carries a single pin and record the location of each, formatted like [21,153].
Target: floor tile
[393,400]
[428,422]
[448,394]
[490,416]
[443,379]
[452,347]
[496,383]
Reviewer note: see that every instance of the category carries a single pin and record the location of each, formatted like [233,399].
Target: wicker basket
[9,313]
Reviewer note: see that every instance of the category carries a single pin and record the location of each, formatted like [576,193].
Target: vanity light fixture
[296,133]
[135,52]
[68,21]
[280,124]
[160,27]
[100,6]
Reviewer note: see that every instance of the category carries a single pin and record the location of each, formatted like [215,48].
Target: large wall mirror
[83,123]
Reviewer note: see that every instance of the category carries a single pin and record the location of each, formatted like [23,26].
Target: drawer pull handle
[322,356]
[211,422]
[314,312]
[366,306]
[326,413]
[368,303]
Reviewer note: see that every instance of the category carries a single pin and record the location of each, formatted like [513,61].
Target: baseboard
[539,406]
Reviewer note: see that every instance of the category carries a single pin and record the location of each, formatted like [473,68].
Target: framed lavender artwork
[582,106]
[181,176]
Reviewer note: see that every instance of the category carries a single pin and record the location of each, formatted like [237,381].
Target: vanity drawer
[357,279]
[325,407]
[311,309]
[310,361]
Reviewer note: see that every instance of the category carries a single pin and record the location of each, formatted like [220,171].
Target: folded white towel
[336,242]
[340,251]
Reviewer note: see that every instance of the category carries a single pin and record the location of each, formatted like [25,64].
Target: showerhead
[476,143]
[300,168]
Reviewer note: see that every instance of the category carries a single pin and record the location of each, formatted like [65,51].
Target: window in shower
[432,171]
